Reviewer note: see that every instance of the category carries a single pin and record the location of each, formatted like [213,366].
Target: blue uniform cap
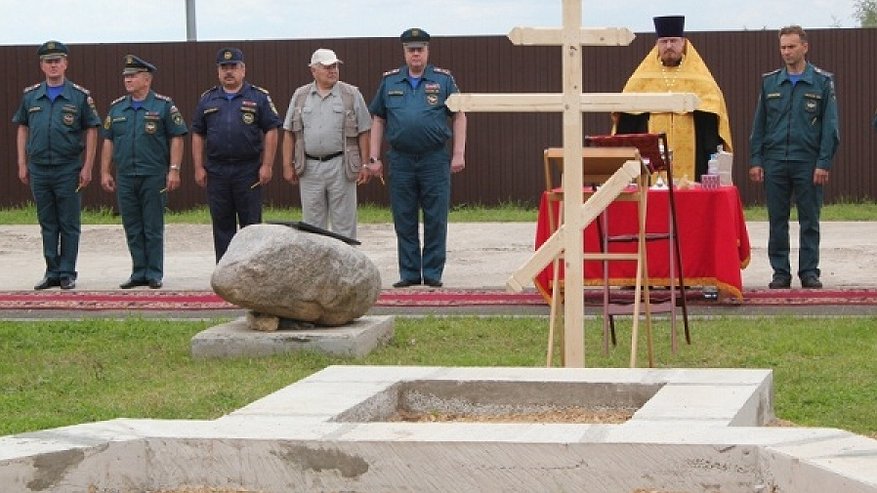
[415,38]
[670,26]
[51,50]
[229,55]
[135,64]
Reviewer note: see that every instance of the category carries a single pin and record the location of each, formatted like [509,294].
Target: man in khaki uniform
[325,143]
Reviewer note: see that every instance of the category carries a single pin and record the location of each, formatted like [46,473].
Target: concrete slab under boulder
[329,432]
[238,339]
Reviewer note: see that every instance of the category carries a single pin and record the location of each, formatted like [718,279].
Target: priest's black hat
[670,26]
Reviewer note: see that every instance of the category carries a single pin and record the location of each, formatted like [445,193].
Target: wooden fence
[504,154]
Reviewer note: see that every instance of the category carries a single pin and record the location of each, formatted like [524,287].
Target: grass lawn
[370,214]
[56,373]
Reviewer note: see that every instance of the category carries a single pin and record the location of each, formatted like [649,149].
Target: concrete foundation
[693,431]
[236,339]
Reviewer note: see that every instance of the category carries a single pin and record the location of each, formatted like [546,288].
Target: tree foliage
[866,12]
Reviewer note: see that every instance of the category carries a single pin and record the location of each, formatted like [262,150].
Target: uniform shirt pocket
[812,103]
[395,98]
[152,125]
[350,124]
[117,125]
[307,117]
[297,124]
[70,118]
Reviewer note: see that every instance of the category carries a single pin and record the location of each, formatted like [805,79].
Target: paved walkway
[480,255]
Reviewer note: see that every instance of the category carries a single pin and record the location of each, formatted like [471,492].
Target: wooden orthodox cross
[567,240]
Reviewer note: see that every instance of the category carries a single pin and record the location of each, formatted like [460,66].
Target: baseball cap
[324,56]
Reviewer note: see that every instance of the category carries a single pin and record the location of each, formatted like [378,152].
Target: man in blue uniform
[794,138]
[234,139]
[410,108]
[52,119]
[143,136]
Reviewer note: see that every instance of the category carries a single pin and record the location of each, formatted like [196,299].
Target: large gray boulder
[281,271]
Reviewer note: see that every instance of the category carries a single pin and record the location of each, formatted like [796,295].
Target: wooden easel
[599,165]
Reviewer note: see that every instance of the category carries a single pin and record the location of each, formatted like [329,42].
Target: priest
[673,65]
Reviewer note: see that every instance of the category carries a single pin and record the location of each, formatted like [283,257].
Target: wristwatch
[372,160]
[175,167]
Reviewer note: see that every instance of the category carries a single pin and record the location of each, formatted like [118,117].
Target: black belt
[327,157]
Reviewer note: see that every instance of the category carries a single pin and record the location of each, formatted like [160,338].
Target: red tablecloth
[712,235]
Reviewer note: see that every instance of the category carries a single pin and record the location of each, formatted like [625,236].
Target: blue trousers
[232,200]
[142,204]
[420,183]
[58,211]
[783,181]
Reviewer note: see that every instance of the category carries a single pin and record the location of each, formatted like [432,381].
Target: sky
[111,21]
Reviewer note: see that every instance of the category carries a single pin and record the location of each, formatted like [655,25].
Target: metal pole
[191,31]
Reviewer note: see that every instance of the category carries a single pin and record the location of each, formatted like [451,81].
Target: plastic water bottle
[713,165]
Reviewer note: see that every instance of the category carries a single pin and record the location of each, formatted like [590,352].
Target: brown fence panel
[504,151]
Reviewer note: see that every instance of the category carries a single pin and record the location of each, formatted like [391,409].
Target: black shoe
[67,283]
[133,283]
[811,282]
[780,283]
[432,283]
[47,283]
[154,284]
[405,284]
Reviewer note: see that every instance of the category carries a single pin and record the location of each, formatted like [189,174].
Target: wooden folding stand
[655,152]
[599,165]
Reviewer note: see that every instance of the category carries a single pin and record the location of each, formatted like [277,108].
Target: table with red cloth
[712,236]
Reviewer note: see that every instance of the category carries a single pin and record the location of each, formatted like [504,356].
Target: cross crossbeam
[572,102]
[664,102]
[542,36]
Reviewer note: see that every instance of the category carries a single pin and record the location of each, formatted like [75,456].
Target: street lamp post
[191,34]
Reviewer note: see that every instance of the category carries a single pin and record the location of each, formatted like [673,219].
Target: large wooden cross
[568,240]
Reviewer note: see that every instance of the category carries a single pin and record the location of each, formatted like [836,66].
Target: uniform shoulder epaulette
[392,72]
[80,88]
[31,88]
[118,100]
[163,97]
[772,72]
[260,89]
[824,73]
[441,70]
[207,92]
